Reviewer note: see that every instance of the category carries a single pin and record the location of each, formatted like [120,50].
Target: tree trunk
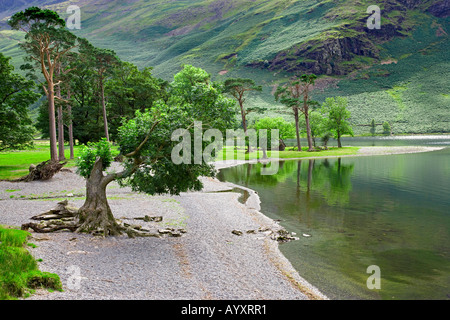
[52,124]
[105,120]
[43,171]
[95,215]
[61,156]
[264,153]
[339,140]
[244,124]
[308,131]
[309,182]
[297,129]
[69,112]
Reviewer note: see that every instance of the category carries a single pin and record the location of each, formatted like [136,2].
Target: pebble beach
[227,250]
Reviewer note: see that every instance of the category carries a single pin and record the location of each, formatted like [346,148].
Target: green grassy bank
[19,273]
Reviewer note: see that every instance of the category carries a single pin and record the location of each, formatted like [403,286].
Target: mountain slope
[269,40]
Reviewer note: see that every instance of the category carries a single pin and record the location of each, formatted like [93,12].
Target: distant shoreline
[362,152]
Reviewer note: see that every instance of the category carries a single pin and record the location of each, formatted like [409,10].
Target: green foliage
[35,17]
[88,156]
[18,269]
[85,98]
[146,140]
[318,125]
[196,97]
[46,39]
[386,128]
[16,95]
[286,129]
[237,87]
[337,116]
[128,90]
[187,79]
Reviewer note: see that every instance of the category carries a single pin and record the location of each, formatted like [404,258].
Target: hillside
[399,73]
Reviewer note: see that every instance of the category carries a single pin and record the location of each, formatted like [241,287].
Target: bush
[89,154]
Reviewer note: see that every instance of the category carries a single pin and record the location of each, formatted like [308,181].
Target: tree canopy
[16,95]
[338,115]
[147,145]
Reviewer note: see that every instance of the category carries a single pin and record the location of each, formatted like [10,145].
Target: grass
[15,164]
[288,154]
[19,273]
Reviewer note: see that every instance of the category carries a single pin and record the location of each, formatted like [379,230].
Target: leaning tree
[147,146]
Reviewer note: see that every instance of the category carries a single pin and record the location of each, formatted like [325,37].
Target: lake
[351,213]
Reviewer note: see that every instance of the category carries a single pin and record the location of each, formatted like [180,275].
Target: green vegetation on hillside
[224,37]
[410,91]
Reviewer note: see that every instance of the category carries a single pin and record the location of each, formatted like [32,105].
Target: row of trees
[330,119]
[72,74]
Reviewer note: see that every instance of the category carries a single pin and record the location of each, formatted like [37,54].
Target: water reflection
[329,179]
[413,140]
[390,211]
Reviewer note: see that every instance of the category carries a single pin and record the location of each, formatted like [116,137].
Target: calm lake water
[352,213]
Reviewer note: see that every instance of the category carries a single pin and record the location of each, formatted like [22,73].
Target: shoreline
[209,262]
[362,152]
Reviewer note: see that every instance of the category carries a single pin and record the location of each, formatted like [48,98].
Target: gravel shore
[207,262]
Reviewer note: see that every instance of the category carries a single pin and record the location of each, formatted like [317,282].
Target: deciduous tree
[102,61]
[338,115]
[16,95]
[146,144]
[130,89]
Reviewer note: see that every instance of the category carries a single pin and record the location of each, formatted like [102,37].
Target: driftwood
[62,217]
[43,171]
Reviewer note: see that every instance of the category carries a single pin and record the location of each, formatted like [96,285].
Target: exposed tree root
[66,217]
